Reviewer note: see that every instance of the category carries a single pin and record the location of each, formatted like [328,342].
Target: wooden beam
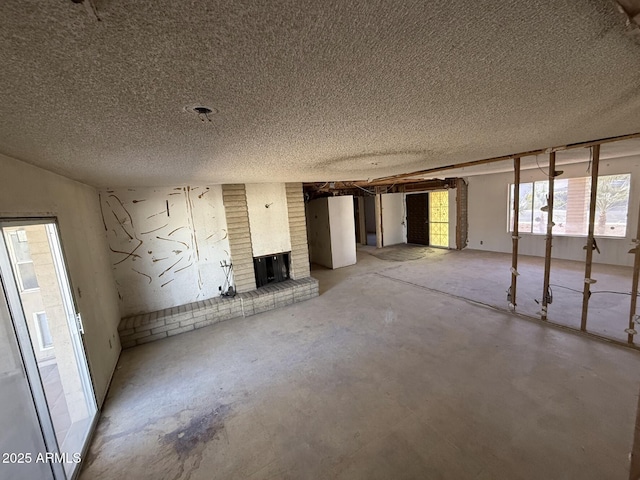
[547,251]
[508,157]
[515,232]
[586,292]
[634,282]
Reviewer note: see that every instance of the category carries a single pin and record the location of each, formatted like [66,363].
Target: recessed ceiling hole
[202,112]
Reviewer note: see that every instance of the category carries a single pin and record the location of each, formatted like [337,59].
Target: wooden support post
[634,468]
[586,293]
[514,234]
[634,282]
[378,220]
[547,252]
[361,221]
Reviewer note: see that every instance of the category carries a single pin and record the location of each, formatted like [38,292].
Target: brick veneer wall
[153,326]
[234,199]
[297,231]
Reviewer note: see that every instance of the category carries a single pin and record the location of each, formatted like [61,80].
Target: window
[19,250]
[42,328]
[571,206]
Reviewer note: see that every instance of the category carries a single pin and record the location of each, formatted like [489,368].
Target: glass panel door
[21,439]
[47,311]
[439,219]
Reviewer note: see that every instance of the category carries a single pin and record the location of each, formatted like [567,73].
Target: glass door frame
[25,345]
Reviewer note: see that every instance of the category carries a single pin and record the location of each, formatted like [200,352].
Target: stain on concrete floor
[189,441]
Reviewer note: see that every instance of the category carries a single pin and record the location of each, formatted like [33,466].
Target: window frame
[568,235]
[15,263]
[36,320]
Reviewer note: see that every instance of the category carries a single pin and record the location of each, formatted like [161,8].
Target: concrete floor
[379,377]
[485,277]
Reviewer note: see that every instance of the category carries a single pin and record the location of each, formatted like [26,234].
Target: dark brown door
[417,218]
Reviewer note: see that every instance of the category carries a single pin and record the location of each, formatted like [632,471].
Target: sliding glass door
[48,331]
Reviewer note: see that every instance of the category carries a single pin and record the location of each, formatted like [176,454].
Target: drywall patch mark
[169,268]
[226,234]
[102,213]
[144,274]
[156,214]
[120,223]
[123,208]
[128,254]
[184,268]
[154,230]
[177,241]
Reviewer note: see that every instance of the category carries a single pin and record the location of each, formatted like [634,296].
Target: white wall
[331,231]
[488,210]
[166,245]
[394,225]
[343,231]
[268,218]
[28,191]
[318,232]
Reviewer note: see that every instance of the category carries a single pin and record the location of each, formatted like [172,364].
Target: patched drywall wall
[394,225]
[488,214]
[166,245]
[343,231]
[268,218]
[28,191]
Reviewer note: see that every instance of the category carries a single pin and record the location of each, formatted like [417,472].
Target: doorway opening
[428,218]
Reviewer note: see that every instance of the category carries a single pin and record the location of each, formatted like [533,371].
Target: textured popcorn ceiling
[306,90]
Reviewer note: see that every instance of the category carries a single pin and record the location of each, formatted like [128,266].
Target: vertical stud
[515,231]
[549,239]
[634,281]
[378,220]
[586,293]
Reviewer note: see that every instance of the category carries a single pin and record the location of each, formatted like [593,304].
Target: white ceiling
[306,90]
